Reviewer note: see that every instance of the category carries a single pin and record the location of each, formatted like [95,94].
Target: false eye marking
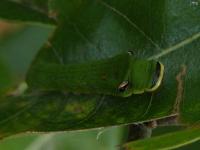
[158,77]
[131,53]
[123,86]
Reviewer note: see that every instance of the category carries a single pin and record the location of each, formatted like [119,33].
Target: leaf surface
[167,141]
[167,31]
[92,30]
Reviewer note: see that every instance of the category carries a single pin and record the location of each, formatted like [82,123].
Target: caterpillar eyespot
[135,75]
[130,53]
[123,86]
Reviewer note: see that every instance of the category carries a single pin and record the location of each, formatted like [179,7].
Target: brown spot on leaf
[151,124]
[7,28]
[53,14]
[78,109]
[47,45]
[180,88]
[103,77]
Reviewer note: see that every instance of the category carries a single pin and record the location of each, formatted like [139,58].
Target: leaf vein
[127,19]
[176,46]
[57,55]
[76,28]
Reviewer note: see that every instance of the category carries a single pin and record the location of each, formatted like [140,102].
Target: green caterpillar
[122,75]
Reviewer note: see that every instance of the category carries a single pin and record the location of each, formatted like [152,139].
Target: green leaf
[40,4]
[168,31]
[17,142]
[30,113]
[18,49]
[5,78]
[160,130]
[93,30]
[194,145]
[99,139]
[167,141]
[14,11]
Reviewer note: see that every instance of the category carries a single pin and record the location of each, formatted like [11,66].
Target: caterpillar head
[142,76]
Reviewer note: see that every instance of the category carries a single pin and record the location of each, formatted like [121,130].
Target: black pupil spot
[156,74]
